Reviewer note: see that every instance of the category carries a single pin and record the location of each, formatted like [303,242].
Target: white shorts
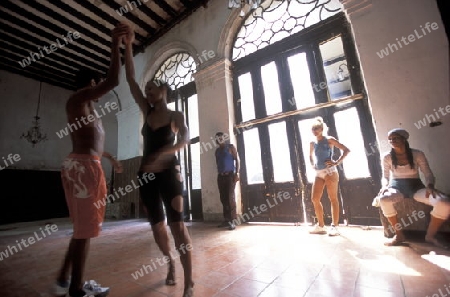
[322,173]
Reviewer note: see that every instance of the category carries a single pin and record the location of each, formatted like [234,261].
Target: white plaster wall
[19,102]
[201,31]
[409,83]
[130,118]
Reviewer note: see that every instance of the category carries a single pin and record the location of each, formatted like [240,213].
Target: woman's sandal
[170,279]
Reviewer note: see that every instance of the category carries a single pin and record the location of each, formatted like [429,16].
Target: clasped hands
[122,33]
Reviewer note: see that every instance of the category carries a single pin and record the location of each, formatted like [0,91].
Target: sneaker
[61,288]
[92,288]
[231,227]
[333,231]
[318,230]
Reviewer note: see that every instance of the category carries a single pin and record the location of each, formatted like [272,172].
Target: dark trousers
[226,185]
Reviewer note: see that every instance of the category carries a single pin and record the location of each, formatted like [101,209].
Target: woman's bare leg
[162,240]
[183,245]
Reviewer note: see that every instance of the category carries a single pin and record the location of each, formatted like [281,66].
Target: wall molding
[209,75]
[357,8]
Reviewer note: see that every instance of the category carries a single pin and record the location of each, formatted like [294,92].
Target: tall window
[178,72]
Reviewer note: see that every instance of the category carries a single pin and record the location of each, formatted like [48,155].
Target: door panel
[269,77]
[279,149]
[253,164]
[301,78]
[358,187]
[187,103]
[335,68]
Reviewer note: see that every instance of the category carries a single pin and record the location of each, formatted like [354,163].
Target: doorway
[278,91]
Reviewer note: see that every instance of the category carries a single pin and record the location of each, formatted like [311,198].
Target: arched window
[275,20]
[177,70]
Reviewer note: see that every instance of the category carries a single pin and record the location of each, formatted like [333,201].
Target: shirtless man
[82,175]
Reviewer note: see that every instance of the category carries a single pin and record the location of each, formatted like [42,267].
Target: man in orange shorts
[82,174]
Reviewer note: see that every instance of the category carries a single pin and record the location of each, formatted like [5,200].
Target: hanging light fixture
[240,4]
[34,135]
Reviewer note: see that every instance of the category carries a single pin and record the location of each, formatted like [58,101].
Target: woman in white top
[401,180]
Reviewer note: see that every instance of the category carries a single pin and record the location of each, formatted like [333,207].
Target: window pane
[349,133]
[301,81]
[336,71]
[193,116]
[279,148]
[269,76]
[253,164]
[183,173]
[171,106]
[246,89]
[304,127]
[195,158]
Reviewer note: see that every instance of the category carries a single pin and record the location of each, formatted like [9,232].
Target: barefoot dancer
[82,174]
[402,163]
[161,125]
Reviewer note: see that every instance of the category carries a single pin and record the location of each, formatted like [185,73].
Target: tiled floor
[254,260]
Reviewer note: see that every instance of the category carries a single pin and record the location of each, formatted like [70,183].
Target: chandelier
[240,4]
[34,135]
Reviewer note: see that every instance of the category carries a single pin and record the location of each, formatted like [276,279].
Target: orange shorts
[85,190]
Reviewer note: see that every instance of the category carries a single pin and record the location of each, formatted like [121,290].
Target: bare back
[88,137]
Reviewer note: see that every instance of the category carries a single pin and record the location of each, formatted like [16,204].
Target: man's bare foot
[435,242]
[170,279]
[398,239]
[189,290]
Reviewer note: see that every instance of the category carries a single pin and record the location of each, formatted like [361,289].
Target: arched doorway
[294,61]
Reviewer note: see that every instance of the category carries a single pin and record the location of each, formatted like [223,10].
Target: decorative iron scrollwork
[177,70]
[275,20]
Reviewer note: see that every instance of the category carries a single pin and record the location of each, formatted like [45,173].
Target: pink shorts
[85,190]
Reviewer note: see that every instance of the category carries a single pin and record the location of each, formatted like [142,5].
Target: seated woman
[401,180]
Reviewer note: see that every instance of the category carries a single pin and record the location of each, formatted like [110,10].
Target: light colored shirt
[405,171]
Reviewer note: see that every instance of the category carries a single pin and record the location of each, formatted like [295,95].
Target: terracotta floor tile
[216,279]
[361,291]
[299,282]
[149,293]
[246,288]
[380,280]
[274,290]
[262,275]
[254,260]
[330,288]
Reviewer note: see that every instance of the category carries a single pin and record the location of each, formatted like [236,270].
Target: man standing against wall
[227,161]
